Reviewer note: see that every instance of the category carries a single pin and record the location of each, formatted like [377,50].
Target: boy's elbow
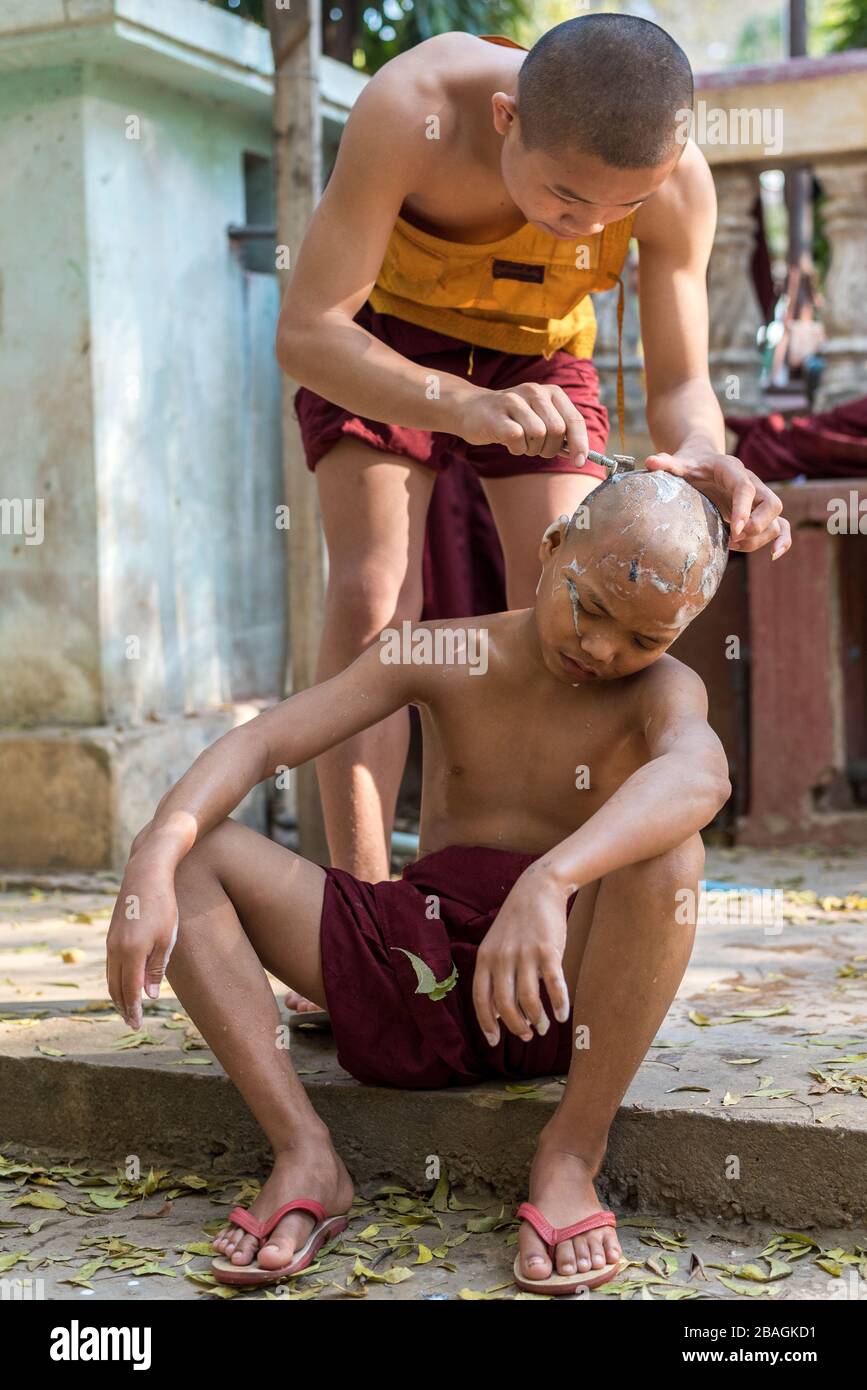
[287,349]
[720,788]
[292,345]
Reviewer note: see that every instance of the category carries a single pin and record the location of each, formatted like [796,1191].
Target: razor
[625,463]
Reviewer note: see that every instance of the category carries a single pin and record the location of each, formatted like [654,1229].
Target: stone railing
[804,113]
[807,112]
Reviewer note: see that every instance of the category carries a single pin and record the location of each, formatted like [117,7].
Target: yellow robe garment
[522,294]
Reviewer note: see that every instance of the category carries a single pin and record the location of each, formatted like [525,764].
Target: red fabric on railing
[829,445]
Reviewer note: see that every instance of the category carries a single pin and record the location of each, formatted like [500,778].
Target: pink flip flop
[560,1284]
[325,1229]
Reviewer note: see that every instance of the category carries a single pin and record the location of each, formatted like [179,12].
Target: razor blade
[624,463]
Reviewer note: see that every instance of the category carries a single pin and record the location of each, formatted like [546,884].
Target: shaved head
[623,577]
[653,528]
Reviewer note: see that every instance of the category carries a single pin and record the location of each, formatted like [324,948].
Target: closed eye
[644,644]
[567,198]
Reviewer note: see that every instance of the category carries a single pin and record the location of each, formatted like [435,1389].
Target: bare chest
[559,763]
[463,200]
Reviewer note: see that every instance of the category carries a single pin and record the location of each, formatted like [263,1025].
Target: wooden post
[294,26]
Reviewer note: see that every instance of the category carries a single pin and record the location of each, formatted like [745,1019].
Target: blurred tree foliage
[846,24]
[368,34]
[758,39]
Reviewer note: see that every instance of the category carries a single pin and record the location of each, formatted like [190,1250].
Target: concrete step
[679,1151]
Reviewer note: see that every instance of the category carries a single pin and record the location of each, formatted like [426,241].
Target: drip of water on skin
[576,569]
[573,599]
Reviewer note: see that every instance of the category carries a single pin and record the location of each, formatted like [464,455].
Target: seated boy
[568,770]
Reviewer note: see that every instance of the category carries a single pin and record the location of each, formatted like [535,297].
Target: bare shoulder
[435,58]
[432,79]
[685,205]
[444,655]
[384,154]
[417,83]
[669,688]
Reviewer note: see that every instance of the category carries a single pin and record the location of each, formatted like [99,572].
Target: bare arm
[291,733]
[675,231]
[663,803]
[144,924]
[381,161]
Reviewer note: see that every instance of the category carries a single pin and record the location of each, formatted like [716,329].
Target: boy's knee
[678,869]
[203,860]
[369,597]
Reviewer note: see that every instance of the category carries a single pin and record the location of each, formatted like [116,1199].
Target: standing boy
[440,305]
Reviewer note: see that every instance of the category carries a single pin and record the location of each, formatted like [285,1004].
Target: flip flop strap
[553,1235]
[238,1216]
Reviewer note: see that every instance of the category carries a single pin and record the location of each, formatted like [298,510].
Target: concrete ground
[748,1119]
[101,1240]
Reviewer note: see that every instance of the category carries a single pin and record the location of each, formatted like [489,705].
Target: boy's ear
[504,109]
[553,537]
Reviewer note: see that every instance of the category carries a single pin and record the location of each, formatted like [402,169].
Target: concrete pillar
[845,351]
[735,313]
[141,563]
[801,654]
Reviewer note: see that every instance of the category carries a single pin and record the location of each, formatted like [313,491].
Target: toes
[285,1239]
[244,1251]
[276,1254]
[298,1004]
[227,1239]
[598,1258]
[535,1262]
[582,1255]
[612,1247]
[236,1235]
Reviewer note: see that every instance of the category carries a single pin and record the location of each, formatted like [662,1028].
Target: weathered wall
[139,399]
[186,397]
[140,396]
[49,630]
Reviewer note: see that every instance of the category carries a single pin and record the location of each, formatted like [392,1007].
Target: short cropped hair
[609,85]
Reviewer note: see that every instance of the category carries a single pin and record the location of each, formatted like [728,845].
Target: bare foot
[561,1186]
[298,1004]
[313,1169]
